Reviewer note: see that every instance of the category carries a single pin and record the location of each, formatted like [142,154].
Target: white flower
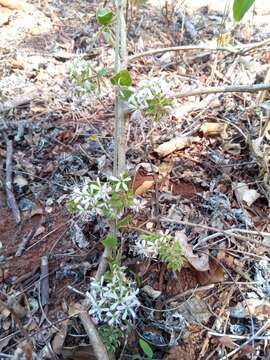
[147,90]
[113,302]
[104,192]
[146,248]
[121,183]
[164,238]
[138,205]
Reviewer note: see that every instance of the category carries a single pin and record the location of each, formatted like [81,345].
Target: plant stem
[119,162]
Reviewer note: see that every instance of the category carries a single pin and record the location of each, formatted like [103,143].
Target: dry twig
[11,201]
[240,50]
[225,89]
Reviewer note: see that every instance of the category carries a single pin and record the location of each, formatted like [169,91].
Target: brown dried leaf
[144,187]
[213,275]
[227,341]
[24,351]
[199,261]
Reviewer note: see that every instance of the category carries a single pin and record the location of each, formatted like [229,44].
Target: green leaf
[125,93]
[104,16]
[240,7]
[117,202]
[110,242]
[122,78]
[146,349]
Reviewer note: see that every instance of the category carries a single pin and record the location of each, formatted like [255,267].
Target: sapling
[112,296]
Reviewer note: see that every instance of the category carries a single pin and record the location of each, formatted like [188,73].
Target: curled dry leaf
[177,143]
[154,294]
[199,261]
[214,129]
[232,148]
[244,194]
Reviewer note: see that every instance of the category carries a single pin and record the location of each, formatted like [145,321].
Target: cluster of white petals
[113,302]
[149,248]
[146,90]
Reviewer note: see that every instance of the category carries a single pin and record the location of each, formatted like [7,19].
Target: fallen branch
[225,89]
[94,338]
[240,50]
[11,201]
[24,242]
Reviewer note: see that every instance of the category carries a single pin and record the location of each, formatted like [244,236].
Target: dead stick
[24,242]
[94,338]
[11,201]
[243,49]
[44,283]
[225,89]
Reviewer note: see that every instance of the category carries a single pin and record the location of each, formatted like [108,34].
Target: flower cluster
[161,245]
[81,75]
[107,199]
[113,301]
[151,97]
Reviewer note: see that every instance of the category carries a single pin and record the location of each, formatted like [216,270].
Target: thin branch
[225,89]
[94,338]
[240,50]
[11,200]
